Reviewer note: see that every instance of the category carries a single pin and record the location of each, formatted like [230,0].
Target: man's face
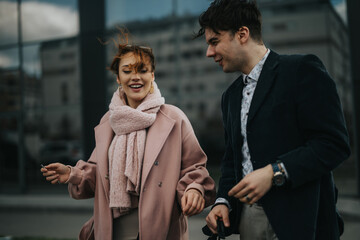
[225,48]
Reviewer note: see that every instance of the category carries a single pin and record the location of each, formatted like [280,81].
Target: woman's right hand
[56,173]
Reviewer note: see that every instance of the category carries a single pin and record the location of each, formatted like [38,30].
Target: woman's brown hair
[144,55]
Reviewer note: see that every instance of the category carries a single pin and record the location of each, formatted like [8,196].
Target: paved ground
[58,216]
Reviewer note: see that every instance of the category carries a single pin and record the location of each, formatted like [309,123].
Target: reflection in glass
[190,7]
[10,89]
[122,11]
[10,95]
[49,19]
[32,60]
[60,96]
[9,58]
[32,74]
[8,22]
[8,150]
[52,124]
[52,113]
[51,136]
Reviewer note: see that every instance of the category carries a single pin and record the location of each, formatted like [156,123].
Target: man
[284,134]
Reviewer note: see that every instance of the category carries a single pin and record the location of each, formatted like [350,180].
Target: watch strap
[275,167]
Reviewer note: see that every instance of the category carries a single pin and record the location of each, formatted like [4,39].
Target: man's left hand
[254,185]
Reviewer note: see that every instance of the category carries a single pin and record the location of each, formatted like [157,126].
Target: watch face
[279,179]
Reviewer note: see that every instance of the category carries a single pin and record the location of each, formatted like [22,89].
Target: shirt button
[160,184]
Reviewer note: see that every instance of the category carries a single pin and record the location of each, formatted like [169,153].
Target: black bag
[222,231]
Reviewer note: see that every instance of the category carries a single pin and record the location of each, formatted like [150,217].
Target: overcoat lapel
[155,140]
[154,143]
[103,137]
[235,109]
[264,84]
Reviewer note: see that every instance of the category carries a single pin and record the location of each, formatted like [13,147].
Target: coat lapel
[155,140]
[264,84]
[103,137]
[235,108]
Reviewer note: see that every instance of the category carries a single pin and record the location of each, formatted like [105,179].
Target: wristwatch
[279,178]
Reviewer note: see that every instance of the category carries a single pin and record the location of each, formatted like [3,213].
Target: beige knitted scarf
[126,151]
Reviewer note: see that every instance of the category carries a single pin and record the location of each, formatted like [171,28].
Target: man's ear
[243,34]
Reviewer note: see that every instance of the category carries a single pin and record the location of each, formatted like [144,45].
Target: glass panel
[32,75]
[9,105]
[61,118]
[32,65]
[52,135]
[190,7]
[121,11]
[8,22]
[341,8]
[8,150]
[49,19]
[52,66]
[52,105]
[9,58]
[33,114]
[9,81]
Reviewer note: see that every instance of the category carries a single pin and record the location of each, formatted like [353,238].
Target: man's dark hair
[230,15]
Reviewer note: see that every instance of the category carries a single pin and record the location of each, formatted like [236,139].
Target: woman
[147,171]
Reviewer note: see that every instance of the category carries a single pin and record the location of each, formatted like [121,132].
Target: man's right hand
[221,212]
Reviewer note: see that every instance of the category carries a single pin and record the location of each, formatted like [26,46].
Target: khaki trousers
[126,227]
[254,224]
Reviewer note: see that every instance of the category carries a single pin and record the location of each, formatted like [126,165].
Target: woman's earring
[152,88]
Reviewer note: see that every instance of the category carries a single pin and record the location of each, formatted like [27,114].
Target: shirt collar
[255,72]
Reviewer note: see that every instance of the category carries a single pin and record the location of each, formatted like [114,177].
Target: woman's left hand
[192,202]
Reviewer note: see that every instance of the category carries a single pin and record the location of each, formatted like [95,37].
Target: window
[30,84]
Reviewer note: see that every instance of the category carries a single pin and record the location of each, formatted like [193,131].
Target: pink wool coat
[173,162]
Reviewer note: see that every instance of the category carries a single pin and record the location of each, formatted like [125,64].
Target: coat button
[107,176]
[156,163]
[160,184]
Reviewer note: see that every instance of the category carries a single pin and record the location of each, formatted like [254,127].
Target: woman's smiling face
[135,78]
